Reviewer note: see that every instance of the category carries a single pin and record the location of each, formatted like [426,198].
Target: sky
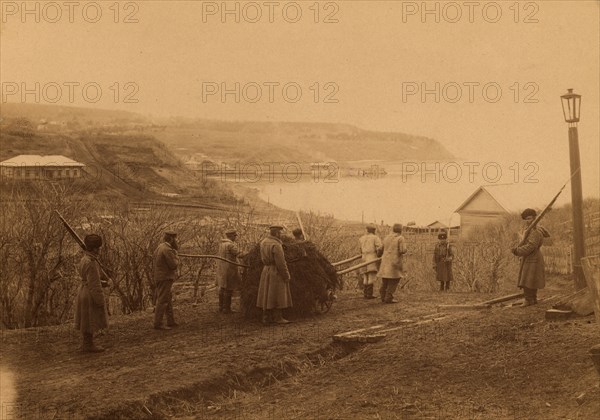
[483,78]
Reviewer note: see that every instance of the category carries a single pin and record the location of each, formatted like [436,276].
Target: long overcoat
[370,246]
[228,275]
[392,260]
[443,255]
[274,287]
[531,270]
[90,311]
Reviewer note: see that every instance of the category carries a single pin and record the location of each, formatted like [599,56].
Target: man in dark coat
[166,262]
[392,264]
[228,275]
[90,313]
[274,288]
[531,271]
[443,255]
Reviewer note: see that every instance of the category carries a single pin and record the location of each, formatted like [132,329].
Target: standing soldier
[274,287]
[392,269]
[370,247]
[531,270]
[228,274]
[90,312]
[443,255]
[166,262]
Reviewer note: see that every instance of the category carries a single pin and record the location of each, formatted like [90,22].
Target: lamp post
[571,105]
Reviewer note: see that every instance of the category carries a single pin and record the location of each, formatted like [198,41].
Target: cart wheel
[323,306]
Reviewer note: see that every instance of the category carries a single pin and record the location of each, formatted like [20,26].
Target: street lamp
[571,105]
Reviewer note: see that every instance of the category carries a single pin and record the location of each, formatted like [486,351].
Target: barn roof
[512,198]
[37,160]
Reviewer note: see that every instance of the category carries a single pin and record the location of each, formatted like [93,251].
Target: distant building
[437,225]
[40,167]
[489,204]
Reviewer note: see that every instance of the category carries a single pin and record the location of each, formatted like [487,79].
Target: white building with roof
[492,203]
[31,167]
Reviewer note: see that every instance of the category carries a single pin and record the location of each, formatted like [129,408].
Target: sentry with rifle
[105,278]
[531,269]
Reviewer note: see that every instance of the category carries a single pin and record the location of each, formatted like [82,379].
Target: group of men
[391,266]
[274,294]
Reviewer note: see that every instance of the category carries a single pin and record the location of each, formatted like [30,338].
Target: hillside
[132,165]
[295,142]
[84,116]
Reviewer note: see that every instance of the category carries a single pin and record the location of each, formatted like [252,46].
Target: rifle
[301,226]
[213,256]
[77,238]
[546,210]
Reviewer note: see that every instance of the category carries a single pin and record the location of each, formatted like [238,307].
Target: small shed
[489,204]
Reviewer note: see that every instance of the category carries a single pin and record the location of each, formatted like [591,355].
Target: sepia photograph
[310,209]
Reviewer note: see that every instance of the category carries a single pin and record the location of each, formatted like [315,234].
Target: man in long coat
[531,271]
[370,248]
[90,311]
[392,264]
[443,255]
[228,275]
[166,262]
[274,288]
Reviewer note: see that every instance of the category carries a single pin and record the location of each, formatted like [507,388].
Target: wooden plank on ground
[503,299]
[475,306]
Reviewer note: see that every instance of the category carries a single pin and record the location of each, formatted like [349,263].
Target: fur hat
[528,213]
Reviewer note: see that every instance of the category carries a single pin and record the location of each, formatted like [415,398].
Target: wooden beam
[357,266]
[356,257]
[503,299]
[464,307]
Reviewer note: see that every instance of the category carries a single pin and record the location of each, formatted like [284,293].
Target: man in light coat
[274,288]
[90,311]
[443,255]
[228,275]
[531,271]
[392,264]
[166,262]
[370,248]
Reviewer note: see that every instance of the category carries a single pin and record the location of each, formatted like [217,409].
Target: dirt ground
[499,363]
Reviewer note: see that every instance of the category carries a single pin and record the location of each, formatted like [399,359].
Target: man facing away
[531,271]
[90,311]
[166,262]
[443,255]
[274,288]
[392,264]
[228,277]
[370,248]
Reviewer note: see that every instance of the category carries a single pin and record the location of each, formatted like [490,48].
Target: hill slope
[299,142]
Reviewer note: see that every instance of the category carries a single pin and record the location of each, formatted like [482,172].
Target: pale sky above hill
[367,56]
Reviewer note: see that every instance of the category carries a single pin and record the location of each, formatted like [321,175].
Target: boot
[447,286]
[278,318]
[88,344]
[369,292]
[266,317]
[221,299]
[441,286]
[227,301]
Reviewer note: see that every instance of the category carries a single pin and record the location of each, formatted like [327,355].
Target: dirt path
[488,363]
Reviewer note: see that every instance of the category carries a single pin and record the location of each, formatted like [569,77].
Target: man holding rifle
[90,312]
[531,270]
